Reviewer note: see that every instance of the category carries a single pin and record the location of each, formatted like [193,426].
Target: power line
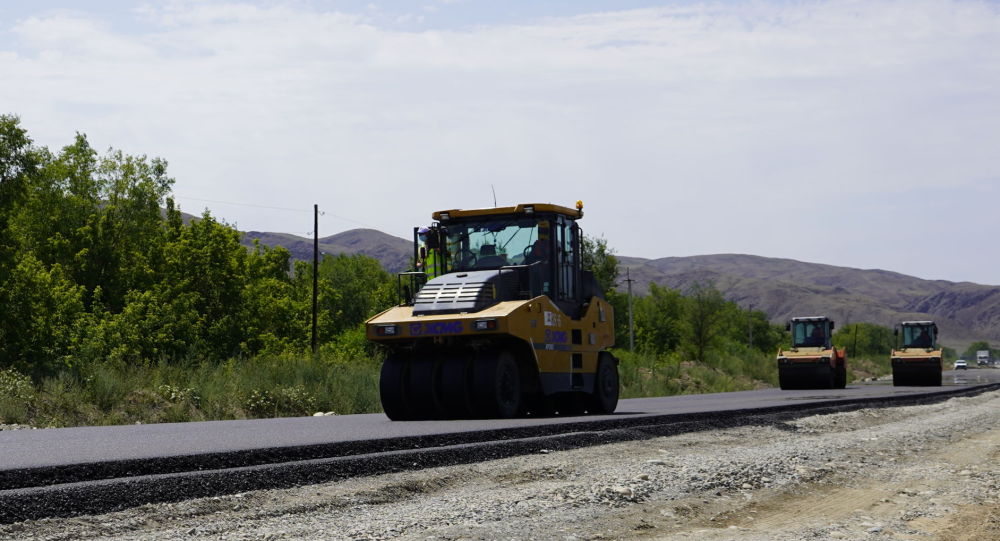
[240,204]
[252,205]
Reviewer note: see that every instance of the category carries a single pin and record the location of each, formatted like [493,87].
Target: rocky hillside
[780,287]
[784,288]
[393,252]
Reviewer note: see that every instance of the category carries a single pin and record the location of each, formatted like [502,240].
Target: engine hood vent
[460,292]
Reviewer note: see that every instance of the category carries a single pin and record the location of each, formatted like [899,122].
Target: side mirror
[831,325]
[895,331]
[788,326]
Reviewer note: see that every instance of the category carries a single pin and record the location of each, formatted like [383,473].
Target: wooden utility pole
[631,332]
[315,274]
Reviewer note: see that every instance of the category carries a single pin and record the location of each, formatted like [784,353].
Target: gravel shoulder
[913,473]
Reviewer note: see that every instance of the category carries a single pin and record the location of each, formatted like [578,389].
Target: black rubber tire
[392,387]
[420,389]
[497,386]
[841,377]
[604,399]
[453,386]
[828,380]
[787,382]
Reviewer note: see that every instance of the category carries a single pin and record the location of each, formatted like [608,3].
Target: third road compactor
[813,362]
[507,323]
[918,361]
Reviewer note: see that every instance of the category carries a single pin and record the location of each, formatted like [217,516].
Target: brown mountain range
[782,288]
[393,252]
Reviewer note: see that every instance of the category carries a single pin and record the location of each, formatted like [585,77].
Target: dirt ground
[909,473]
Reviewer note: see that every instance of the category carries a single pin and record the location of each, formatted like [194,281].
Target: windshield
[490,244]
[810,333]
[918,336]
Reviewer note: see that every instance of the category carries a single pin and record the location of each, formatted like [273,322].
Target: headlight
[387,330]
[485,324]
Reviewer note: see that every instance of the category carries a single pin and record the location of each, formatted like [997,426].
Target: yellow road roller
[917,362]
[812,362]
[499,320]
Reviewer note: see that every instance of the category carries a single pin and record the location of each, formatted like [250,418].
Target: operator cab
[918,334]
[478,244]
[505,253]
[810,332]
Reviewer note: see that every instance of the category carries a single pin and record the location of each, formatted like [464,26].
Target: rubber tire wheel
[420,389]
[829,381]
[392,388]
[841,377]
[604,399]
[453,387]
[787,382]
[497,386]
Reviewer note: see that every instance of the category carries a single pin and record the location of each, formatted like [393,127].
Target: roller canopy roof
[524,208]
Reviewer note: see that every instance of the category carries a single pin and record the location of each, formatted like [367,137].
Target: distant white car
[961,365]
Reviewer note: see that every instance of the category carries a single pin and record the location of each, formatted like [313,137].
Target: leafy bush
[281,401]
[652,374]
[16,393]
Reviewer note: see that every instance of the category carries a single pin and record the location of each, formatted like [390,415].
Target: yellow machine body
[510,324]
[812,362]
[918,360]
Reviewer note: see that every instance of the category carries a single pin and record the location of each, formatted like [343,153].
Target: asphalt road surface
[90,470]
[26,449]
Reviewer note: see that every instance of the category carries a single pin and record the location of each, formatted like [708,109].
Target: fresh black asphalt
[65,472]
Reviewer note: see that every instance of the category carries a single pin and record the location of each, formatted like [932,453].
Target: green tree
[275,319]
[705,312]
[207,267]
[351,289]
[865,340]
[64,198]
[41,320]
[600,259]
[659,319]
[18,163]
[767,337]
[196,308]
[98,217]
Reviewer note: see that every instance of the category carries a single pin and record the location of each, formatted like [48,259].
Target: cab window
[918,336]
[490,244]
[810,333]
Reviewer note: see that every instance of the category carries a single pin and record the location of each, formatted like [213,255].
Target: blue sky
[836,132]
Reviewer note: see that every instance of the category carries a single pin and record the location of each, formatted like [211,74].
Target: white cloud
[701,128]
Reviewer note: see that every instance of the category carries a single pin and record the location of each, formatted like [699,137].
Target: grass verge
[279,386]
[107,394]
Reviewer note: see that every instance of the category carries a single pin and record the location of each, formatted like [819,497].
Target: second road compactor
[507,323]
[918,360]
